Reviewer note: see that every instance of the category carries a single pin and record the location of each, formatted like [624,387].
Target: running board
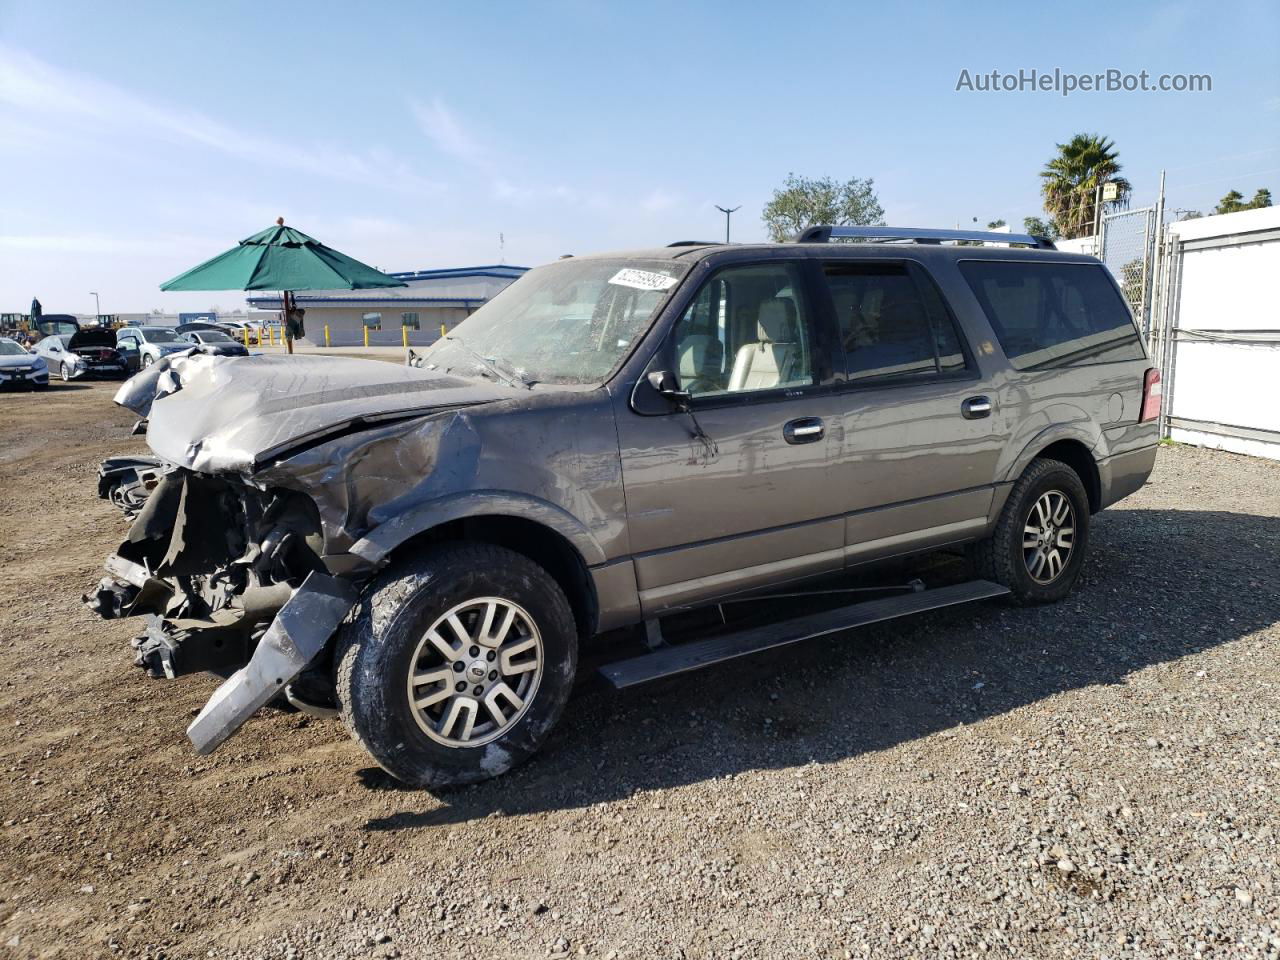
[683,657]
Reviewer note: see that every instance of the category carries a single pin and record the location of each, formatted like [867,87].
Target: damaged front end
[231,581]
[266,473]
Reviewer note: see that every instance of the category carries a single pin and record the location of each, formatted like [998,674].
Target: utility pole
[97,306]
[727,214]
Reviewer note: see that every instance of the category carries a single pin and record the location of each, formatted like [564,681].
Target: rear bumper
[1124,473]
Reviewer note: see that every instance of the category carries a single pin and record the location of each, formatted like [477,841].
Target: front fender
[382,539]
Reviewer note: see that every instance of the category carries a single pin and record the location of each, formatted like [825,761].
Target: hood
[216,414]
[19,360]
[92,340]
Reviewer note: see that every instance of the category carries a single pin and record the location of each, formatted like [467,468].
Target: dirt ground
[1099,778]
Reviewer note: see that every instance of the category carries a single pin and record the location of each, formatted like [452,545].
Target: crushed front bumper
[231,580]
[299,631]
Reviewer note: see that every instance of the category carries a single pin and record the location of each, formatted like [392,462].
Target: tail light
[1152,393]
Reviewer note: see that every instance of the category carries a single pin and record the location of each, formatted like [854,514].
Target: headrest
[777,320]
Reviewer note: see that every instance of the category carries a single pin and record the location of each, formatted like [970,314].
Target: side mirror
[665,382]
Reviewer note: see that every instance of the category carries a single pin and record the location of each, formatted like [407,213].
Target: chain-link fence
[1128,247]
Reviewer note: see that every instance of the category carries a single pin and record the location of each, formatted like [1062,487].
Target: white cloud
[82,104]
[659,201]
[441,126]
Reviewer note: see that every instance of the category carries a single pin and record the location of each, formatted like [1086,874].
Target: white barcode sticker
[642,279]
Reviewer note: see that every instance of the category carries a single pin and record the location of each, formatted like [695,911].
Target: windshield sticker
[642,279]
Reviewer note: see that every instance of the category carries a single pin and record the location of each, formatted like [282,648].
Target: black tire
[66,374]
[376,652]
[147,360]
[1003,557]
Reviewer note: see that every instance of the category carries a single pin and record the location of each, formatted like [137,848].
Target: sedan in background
[143,346]
[216,342]
[86,353]
[19,368]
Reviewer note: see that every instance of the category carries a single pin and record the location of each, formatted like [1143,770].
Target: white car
[21,368]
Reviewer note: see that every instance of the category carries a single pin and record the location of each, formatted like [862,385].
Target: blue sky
[137,139]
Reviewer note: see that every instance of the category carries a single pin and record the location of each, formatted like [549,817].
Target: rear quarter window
[1053,314]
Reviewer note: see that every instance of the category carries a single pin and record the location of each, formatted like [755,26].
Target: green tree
[1233,202]
[993,224]
[806,202]
[1040,228]
[1071,179]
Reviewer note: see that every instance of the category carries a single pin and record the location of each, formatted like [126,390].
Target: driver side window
[747,329]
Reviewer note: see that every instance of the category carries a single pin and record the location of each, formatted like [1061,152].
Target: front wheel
[147,360]
[457,665]
[65,372]
[1038,546]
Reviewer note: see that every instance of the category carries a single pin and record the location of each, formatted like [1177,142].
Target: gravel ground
[1100,778]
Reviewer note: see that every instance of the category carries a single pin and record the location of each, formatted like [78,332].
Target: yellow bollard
[366,335]
[326,335]
[404,337]
[443,331]
[246,336]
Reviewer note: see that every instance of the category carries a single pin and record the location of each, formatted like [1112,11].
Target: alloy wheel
[1048,536]
[475,672]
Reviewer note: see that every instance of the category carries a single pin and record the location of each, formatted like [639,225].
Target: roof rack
[825,234]
[693,243]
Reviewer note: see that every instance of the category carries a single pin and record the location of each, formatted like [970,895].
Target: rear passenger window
[1053,314]
[892,323]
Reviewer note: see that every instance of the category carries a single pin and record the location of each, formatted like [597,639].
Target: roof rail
[693,243]
[825,234]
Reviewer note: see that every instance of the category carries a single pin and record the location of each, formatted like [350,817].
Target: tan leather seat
[700,356]
[772,360]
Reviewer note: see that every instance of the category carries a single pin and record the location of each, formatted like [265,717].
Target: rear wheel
[1038,546]
[457,665]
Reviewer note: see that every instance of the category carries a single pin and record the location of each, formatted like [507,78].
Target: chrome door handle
[804,430]
[975,408]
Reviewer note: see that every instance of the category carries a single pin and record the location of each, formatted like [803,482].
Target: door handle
[975,408]
[804,430]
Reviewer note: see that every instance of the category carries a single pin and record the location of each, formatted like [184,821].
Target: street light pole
[97,306]
[726,219]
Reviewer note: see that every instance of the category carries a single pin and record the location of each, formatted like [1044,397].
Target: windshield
[159,336]
[569,322]
[9,348]
[212,336]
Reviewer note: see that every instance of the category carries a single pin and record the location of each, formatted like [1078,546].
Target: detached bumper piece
[301,628]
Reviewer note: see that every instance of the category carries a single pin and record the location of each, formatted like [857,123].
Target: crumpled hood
[216,414]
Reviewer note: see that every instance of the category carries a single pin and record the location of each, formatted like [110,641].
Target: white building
[431,298]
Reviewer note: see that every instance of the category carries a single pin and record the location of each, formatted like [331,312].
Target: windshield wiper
[492,364]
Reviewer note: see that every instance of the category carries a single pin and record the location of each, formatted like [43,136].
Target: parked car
[21,368]
[236,329]
[85,353]
[614,440]
[143,346]
[214,341]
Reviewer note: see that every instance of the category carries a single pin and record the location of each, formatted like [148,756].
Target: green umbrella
[281,258]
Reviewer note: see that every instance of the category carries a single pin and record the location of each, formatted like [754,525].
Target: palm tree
[1071,180]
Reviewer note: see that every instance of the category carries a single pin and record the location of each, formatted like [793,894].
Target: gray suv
[610,441]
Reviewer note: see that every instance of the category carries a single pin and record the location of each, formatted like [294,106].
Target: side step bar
[681,658]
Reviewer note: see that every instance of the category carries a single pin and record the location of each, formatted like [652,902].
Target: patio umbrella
[281,258]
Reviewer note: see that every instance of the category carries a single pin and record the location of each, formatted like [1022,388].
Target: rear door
[737,492]
[921,439]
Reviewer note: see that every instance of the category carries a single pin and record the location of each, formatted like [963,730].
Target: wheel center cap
[477,670]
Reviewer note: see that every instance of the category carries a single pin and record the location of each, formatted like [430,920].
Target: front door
[737,492]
